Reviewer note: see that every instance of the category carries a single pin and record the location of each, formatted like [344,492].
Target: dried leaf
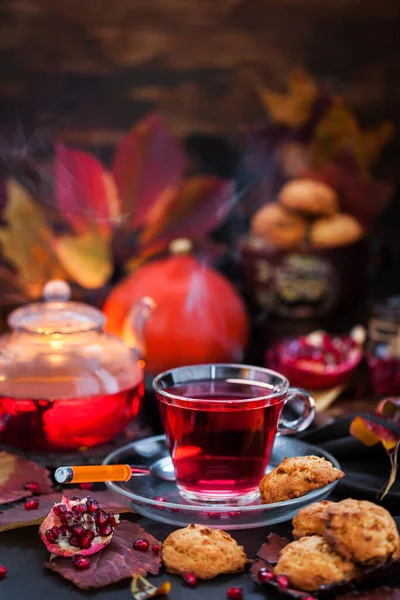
[86,193]
[141,589]
[116,562]
[86,258]
[294,108]
[17,517]
[191,210]
[27,241]
[147,161]
[384,592]
[271,549]
[15,472]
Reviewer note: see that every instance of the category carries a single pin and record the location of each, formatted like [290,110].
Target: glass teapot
[64,383]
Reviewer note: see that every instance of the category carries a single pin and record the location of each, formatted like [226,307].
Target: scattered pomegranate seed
[86,486]
[81,562]
[3,571]
[235,514]
[141,544]
[215,515]
[31,504]
[265,575]
[32,486]
[155,549]
[235,593]
[190,579]
[175,509]
[159,499]
[282,581]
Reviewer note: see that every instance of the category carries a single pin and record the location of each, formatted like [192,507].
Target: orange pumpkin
[198,316]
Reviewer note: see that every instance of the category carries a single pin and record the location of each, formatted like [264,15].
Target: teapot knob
[56,290]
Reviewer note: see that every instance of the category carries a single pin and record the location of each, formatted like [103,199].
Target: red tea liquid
[220,445]
[66,423]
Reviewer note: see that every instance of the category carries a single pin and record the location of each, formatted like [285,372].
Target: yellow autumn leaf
[86,258]
[293,108]
[26,241]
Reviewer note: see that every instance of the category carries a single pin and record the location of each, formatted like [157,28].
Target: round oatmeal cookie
[311,519]
[310,197]
[339,230]
[362,531]
[310,563]
[297,476]
[203,551]
[278,227]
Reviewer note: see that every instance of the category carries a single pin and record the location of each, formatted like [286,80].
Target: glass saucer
[139,493]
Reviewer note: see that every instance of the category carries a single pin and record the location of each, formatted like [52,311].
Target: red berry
[81,562]
[235,593]
[282,581]
[59,509]
[32,486]
[86,486]
[265,575]
[141,544]
[190,579]
[31,504]
[155,549]
[3,571]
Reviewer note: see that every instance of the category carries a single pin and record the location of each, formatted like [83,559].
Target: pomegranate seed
[78,531]
[111,519]
[75,499]
[282,581]
[235,593]
[67,519]
[80,508]
[190,579]
[265,575]
[86,486]
[141,544]
[155,549]
[235,514]
[107,530]
[81,562]
[90,535]
[32,486]
[175,509]
[3,571]
[85,542]
[76,514]
[92,506]
[31,504]
[49,535]
[215,515]
[74,541]
[102,518]
[159,499]
[60,509]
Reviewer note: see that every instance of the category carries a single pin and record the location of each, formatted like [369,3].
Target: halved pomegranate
[77,526]
[318,361]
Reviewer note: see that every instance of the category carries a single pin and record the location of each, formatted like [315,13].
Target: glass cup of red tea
[221,421]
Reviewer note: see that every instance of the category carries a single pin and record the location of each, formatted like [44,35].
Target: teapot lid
[57,314]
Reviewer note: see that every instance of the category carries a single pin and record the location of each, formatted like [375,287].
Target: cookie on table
[310,562]
[297,476]
[310,197]
[203,551]
[278,227]
[362,531]
[339,230]
[311,519]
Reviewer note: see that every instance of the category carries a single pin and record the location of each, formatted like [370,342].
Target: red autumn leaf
[191,210]
[15,471]
[271,550]
[147,161]
[85,192]
[116,562]
[17,516]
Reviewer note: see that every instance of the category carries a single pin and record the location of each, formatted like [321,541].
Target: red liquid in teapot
[220,448]
[66,423]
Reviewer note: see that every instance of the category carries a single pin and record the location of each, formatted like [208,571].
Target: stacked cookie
[305,214]
[335,541]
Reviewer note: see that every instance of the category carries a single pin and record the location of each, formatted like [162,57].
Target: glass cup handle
[287,427]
